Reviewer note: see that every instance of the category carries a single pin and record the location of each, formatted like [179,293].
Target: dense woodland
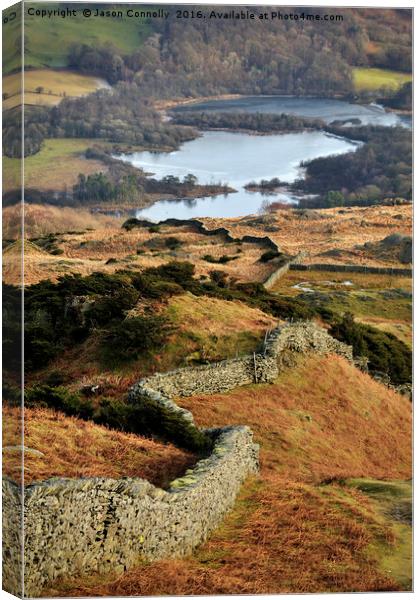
[402,99]
[118,115]
[258,122]
[187,57]
[380,168]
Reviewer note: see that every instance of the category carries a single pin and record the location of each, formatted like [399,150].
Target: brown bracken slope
[298,527]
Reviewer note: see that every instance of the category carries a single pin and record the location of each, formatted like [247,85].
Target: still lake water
[327,109]
[238,158]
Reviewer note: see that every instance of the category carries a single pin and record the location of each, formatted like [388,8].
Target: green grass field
[47,41]
[57,164]
[377,300]
[373,79]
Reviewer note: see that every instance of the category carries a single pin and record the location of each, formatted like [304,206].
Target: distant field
[56,165]
[48,41]
[373,79]
[53,86]
[377,300]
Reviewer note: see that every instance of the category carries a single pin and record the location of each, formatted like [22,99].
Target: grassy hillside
[282,538]
[306,524]
[323,419]
[204,329]
[62,446]
[52,86]
[55,166]
[213,329]
[87,251]
[367,79]
[48,46]
[41,219]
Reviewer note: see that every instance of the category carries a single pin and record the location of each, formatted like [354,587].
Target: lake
[239,158]
[236,159]
[327,109]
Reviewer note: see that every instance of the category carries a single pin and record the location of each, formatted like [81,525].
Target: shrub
[385,352]
[110,307]
[59,398]
[130,338]
[179,272]
[152,286]
[129,223]
[148,418]
[221,260]
[172,242]
[11,394]
[56,378]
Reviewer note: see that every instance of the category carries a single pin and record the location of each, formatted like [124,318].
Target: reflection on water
[327,109]
[235,159]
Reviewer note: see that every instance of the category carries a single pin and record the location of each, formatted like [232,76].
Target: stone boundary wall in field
[214,378]
[221,377]
[12,537]
[75,526]
[281,271]
[338,268]
[305,337]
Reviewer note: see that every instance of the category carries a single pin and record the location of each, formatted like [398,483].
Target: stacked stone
[142,391]
[100,524]
[75,526]
[306,337]
[214,378]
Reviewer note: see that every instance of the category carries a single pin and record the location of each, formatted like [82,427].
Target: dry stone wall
[305,337]
[340,268]
[221,377]
[209,379]
[200,227]
[73,526]
[281,271]
[12,537]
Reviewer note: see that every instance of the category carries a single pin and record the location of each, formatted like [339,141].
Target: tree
[334,198]
[190,179]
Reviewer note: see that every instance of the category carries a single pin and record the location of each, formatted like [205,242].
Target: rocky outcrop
[200,227]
